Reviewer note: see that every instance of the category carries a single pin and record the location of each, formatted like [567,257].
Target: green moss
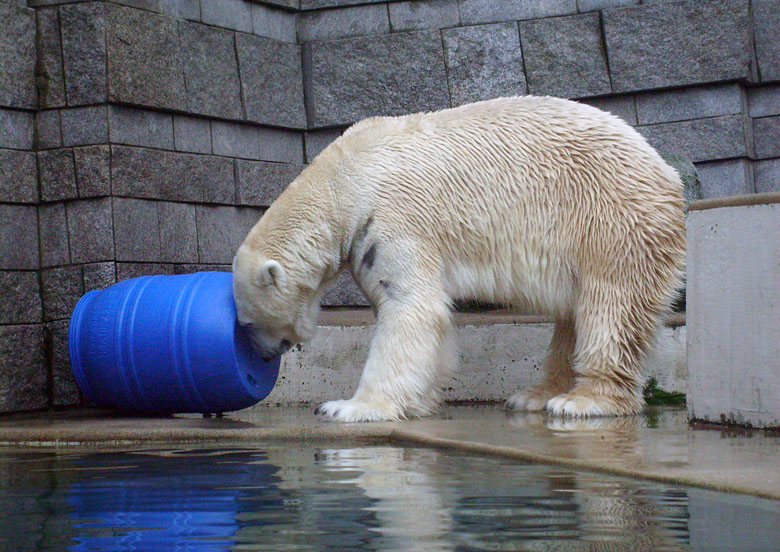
[654,395]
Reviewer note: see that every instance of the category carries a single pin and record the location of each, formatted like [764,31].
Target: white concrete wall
[734,314]
[496,361]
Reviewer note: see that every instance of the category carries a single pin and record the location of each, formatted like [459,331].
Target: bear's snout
[268,353]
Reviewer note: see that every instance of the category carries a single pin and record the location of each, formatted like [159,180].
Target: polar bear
[529,201]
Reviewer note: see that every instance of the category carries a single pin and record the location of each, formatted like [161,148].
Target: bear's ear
[270,273]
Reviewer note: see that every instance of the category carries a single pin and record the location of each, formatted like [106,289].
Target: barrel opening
[251,380]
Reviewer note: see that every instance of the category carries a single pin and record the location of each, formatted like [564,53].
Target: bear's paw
[354,411]
[578,404]
[526,400]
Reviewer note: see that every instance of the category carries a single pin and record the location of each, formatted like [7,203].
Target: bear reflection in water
[307,498]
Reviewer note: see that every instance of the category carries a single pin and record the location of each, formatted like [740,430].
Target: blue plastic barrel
[165,344]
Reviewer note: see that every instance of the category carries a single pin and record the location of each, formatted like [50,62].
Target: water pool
[292,497]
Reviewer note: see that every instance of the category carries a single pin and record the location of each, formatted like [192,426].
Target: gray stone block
[146,5]
[181,9]
[251,142]
[370,19]
[678,44]
[564,56]
[19,237]
[701,139]
[415,15]
[178,234]
[271,81]
[620,106]
[140,127]
[213,176]
[136,230]
[192,268]
[274,23]
[211,71]
[155,174]
[61,289]
[483,62]
[18,176]
[766,134]
[84,126]
[689,103]
[221,230]
[17,57]
[394,74]
[42,3]
[766,19]
[725,178]
[53,224]
[231,14]
[23,376]
[289,4]
[319,4]
[98,275]
[318,140]
[259,183]
[93,176]
[596,5]
[64,389]
[84,52]
[145,66]
[57,175]
[90,228]
[764,101]
[48,129]
[191,134]
[21,295]
[767,175]
[492,11]
[16,129]
[344,292]
[125,271]
[51,82]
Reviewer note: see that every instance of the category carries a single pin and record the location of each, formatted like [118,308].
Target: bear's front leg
[412,349]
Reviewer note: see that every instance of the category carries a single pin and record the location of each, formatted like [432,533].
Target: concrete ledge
[657,445]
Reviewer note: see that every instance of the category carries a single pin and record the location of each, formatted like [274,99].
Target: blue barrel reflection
[168,500]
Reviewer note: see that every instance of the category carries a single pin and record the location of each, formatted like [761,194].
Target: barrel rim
[74,338]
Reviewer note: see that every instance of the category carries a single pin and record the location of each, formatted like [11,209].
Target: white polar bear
[529,201]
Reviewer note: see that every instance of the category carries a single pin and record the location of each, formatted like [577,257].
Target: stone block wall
[147,136]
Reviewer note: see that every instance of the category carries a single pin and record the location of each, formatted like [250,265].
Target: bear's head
[272,304]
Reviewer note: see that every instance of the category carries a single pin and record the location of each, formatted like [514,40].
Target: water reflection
[366,498]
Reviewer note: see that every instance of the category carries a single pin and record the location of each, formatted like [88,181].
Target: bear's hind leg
[614,328]
[412,349]
[559,376]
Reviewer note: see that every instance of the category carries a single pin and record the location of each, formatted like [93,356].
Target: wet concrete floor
[657,445]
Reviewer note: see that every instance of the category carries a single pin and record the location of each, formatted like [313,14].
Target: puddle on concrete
[290,498]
